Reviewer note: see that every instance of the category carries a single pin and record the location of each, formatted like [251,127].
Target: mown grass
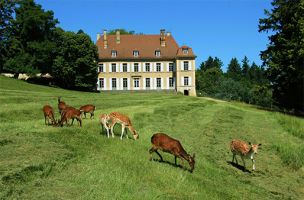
[45,162]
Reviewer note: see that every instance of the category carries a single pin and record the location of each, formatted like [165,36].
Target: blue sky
[222,28]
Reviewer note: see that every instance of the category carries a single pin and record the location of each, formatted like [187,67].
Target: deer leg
[161,158]
[123,127]
[253,164]
[92,115]
[79,120]
[150,152]
[85,116]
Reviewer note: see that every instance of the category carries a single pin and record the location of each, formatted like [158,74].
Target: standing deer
[48,115]
[88,109]
[241,148]
[61,105]
[170,145]
[116,117]
[104,121]
[70,113]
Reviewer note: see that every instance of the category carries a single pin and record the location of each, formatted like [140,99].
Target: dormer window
[135,53]
[185,51]
[113,53]
[157,53]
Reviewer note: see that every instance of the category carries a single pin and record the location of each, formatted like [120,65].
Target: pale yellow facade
[177,75]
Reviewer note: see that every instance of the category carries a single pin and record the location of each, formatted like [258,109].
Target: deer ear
[249,143]
[260,144]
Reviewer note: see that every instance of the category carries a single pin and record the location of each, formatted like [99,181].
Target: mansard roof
[146,45]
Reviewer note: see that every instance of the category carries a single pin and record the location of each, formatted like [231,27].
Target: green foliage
[234,70]
[122,32]
[248,84]
[31,45]
[45,162]
[284,55]
[75,64]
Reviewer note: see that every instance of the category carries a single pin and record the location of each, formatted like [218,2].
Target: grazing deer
[241,148]
[116,117]
[70,113]
[61,105]
[88,109]
[48,115]
[170,145]
[104,121]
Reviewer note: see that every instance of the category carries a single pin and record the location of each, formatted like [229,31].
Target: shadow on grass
[172,164]
[239,167]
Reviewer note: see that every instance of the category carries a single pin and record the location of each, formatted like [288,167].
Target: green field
[45,162]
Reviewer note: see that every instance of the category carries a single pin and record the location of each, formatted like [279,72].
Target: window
[136,82]
[185,51]
[157,53]
[186,65]
[171,67]
[135,53]
[148,82]
[171,82]
[135,67]
[125,83]
[114,86]
[147,67]
[158,82]
[186,81]
[100,67]
[124,67]
[113,53]
[101,82]
[158,67]
[113,67]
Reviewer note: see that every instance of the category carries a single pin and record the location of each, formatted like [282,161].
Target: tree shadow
[171,164]
[239,167]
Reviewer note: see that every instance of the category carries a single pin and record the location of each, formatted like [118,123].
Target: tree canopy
[284,55]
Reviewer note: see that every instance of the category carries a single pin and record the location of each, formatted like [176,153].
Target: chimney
[162,38]
[98,36]
[105,41]
[117,37]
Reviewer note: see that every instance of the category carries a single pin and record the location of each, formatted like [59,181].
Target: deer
[239,147]
[70,113]
[116,117]
[48,115]
[61,105]
[165,143]
[104,121]
[88,109]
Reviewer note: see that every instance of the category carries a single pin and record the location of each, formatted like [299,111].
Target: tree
[31,43]
[6,15]
[284,55]
[210,63]
[245,67]
[75,66]
[234,69]
[122,32]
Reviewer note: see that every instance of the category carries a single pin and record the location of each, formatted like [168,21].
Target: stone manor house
[145,62]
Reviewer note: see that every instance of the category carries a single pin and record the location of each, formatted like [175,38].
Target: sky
[221,28]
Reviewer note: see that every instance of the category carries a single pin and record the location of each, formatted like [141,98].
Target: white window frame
[112,65]
[124,67]
[125,81]
[135,53]
[157,53]
[186,63]
[186,81]
[135,68]
[158,67]
[185,51]
[147,64]
[112,81]
[136,83]
[100,67]
[158,83]
[113,53]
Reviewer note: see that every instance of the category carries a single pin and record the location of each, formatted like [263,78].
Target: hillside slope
[45,162]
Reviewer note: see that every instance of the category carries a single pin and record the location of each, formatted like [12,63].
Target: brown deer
[116,117]
[61,105]
[104,121]
[241,148]
[70,113]
[170,145]
[88,109]
[48,115]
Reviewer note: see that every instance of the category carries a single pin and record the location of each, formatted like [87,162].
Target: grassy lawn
[45,162]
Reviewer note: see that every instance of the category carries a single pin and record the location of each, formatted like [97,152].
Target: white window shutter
[110,83]
[128,83]
[162,83]
[155,83]
[153,67]
[161,67]
[121,83]
[105,84]
[144,83]
[110,67]
[168,81]
[190,62]
[120,68]
[182,81]
[128,67]
[190,81]
[167,66]
[144,67]
[139,67]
